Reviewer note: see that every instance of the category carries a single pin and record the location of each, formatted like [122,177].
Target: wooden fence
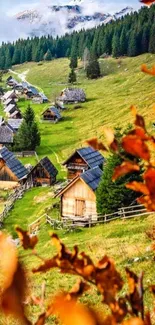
[22,154]
[16,195]
[91,220]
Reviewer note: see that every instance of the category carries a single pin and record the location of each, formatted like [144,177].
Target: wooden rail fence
[91,220]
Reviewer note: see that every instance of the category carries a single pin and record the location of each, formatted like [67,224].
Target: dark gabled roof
[10,108]
[55,111]
[17,168]
[14,123]
[8,101]
[92,157]
[8,94]
[47,164]
[33,90]
[6,154]
[17,111]
[92,177]
[6,134]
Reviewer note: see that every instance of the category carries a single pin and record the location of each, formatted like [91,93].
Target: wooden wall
[5,173]
[79,197]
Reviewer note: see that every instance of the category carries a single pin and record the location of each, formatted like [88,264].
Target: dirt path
[22,77]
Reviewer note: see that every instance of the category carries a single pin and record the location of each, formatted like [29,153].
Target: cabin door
[80,208]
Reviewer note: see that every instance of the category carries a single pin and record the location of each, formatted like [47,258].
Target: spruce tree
[123,42]
[116,46]
[16,56]
[72,77]
[93,68]
[73,62]
[152,40]
[145,39]
[8,61]
[132,46]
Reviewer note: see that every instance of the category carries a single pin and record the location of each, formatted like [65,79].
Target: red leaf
[144,67]
[125,168]
[136,147]
[96,144]
[138,187]
[26,241]
[149,177]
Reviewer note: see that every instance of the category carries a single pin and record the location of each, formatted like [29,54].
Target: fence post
[105,218]
[123,212]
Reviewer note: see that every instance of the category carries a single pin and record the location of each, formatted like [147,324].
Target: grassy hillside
[108,101]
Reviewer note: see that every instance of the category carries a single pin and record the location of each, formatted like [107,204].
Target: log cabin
[12,172]
[44,173]
[51,114]
[78,198]
[72,95]
[83,159]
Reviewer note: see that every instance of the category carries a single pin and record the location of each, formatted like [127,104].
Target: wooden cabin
[12,172]
[16,114]
[78,198]
[81,160]
[6,135]
[51,114]
[72,95]
[11,82]
[9,94]
[11,108]
[44,173]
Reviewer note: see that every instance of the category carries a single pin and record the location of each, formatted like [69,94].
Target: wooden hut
[51,114]
[81,160]
[72,95]
[12,172]
[78,198]
[44,173]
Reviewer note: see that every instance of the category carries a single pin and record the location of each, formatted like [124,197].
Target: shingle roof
[56,112]
[92,157]
[10,108]
[17,168]
[25,84]
[8,101]
[14,164]
[47,164]
[6,154]
[73,95]
[15,123]
[8,94]
[33,90]
[6,134]
[92,177]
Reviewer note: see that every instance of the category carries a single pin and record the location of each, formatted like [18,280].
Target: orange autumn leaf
[133,110]
[8,260]
[26,241]
[134,321]
[149,71]
[96,144]
[136,147]
[138,187]
[149,177]
[125,168]
[140,133]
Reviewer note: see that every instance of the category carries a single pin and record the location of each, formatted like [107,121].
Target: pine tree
[123,42]
[86,58]
[132,46]
[22,57]
[116,46]
[145,39]
[48,56]
[16,56]
[8,61]
[28,135]
[93,68]
[152,40]
[73,62]
[72,76]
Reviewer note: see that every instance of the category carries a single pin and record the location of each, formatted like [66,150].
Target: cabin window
[80,206]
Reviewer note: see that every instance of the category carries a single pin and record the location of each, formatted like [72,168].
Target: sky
[11,29]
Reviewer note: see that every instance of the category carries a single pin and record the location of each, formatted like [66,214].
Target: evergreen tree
[16,56]
[48,56]
[28,53]
[8,61]
[152,40]
[2,62]
[22,57]
[73,62]
[113,195]
[28,135]
[116,46]
[132,46]
[93,68]
[123,42]
[72,76]
[145,39]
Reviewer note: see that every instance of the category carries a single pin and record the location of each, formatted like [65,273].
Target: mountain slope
[108,101]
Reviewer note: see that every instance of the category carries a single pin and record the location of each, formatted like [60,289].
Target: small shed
[44,173]
[78,198]
[6,135]
[72,95]
[14,124]
[51,114]
[83,159]
[12,172]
